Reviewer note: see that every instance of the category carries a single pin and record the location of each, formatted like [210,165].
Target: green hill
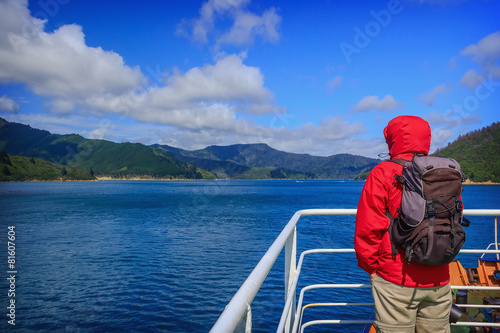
[105,158]
[478,153]
[20,168]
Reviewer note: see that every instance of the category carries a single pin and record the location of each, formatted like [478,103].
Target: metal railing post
[290,271]
[248,326]
[496,237]
[245,325]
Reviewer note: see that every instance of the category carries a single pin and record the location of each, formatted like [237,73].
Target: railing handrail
[239,305]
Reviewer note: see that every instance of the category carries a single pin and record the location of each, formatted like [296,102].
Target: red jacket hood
[407,134]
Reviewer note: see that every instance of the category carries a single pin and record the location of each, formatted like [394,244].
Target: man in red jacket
[408,297]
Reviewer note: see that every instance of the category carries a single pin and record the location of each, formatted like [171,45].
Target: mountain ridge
[244,157]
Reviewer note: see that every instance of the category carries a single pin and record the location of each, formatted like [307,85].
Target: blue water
[133,256]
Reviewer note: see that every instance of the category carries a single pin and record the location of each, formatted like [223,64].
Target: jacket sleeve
[371,221]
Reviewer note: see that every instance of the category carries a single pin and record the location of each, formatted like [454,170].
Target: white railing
[237,316]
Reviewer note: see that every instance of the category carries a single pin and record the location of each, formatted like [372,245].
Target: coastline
[469,182]
[145,178]
[107,178]
[466,182]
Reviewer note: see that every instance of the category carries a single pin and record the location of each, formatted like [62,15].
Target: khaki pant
[407,310]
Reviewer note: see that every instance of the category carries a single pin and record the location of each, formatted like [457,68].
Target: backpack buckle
[400,179]
[409,254]
[431,211]
[463,177]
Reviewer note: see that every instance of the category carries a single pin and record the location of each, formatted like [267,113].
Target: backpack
[429,225]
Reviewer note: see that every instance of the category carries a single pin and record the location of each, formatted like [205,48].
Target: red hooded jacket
[405,136]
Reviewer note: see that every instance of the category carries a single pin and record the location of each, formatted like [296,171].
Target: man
[408,297]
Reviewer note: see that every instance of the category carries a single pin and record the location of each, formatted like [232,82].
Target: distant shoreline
[466,182]
[469,182]
[146,178]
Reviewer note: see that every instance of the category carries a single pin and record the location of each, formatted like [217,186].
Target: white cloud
[203,97]
[334,83]
[61,106]
[246,26]
[58,65]
[486,51]
[428,98]
[330,136]
[471,79]
[451,119]
[228,80]
[209,12]
[8,105]
[486,54]
[369,103]
[336,128]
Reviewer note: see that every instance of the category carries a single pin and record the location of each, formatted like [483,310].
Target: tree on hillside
[4,157]
[277,174]
[6,171]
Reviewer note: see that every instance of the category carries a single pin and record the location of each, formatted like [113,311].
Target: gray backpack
[429,225]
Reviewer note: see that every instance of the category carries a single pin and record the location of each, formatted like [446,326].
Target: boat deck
[237,317]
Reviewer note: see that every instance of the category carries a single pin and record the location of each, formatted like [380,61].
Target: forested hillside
[20,168]
[478,153]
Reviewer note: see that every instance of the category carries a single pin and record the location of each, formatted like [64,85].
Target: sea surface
[167,256]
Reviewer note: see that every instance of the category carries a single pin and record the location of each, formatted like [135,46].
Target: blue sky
[319,77]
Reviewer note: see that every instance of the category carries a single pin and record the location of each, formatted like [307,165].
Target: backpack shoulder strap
[400,161]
